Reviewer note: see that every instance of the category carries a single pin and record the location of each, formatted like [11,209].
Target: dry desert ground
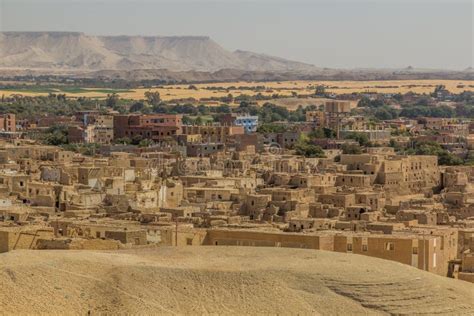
[284,88]
[222,280]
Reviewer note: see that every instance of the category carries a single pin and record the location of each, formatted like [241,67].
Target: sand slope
[222,280]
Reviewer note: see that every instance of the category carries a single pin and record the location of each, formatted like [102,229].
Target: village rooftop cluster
[363,187]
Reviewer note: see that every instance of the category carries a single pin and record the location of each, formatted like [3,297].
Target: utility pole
[424,252]
[176,233]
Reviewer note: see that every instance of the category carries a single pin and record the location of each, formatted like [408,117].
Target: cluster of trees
[188,120]
[351,149]
[361,138]
[379,108]
[466,96]
[190,109]
[433,148]
[56,135]
[58,104]
[370,103]
[101,82]
[465,110]
[136,140]
[419,148]
[304,147]
[267,113]
[385,112]
[152,100]
[320,91]
[53,104]
[271,128]
[322,132]
[429,111]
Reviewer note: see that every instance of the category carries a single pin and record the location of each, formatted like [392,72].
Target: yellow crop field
[284,88]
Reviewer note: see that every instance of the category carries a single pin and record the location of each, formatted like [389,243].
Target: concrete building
[8,122]
[156,127]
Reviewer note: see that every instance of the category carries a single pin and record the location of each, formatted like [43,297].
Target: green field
[82,90]
[64,89]
[30,89]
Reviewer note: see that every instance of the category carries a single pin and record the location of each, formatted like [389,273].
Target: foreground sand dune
[222,280]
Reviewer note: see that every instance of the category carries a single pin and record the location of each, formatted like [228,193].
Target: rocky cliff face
[79,51]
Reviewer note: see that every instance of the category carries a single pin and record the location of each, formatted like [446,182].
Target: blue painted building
[250,123]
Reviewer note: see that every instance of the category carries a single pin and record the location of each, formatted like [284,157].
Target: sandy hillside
[79,51]
[222,280]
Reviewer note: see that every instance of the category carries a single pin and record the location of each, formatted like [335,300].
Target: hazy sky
[341,34]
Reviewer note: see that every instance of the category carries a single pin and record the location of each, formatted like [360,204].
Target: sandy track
[222,280]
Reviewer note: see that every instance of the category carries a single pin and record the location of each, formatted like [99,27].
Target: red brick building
[7,122]
[156,127]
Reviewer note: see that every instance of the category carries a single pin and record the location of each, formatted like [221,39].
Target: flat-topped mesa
[80,51]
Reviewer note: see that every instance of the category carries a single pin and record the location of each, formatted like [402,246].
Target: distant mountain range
[179,58]
[79,51]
